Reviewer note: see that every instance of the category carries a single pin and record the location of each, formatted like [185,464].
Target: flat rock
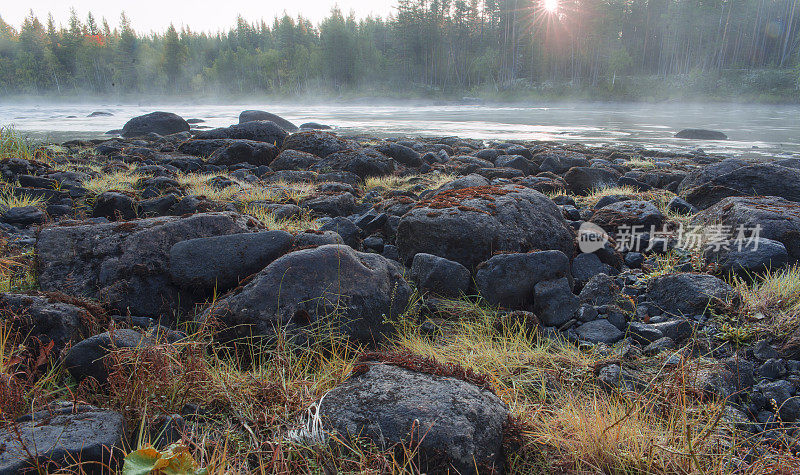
[62,435]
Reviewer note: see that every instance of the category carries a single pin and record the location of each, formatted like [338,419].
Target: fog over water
[753,129]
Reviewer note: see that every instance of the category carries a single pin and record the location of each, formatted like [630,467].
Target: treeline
[427,47]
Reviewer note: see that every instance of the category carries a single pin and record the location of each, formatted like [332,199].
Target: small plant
[174,460]
[9,199]
[301,223]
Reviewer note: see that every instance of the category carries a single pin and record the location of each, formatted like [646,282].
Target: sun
[550,6]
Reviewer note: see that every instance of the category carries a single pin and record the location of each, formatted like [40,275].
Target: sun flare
[550,6]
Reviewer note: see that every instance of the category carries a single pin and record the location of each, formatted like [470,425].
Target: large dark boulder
[293,160]
[126,266]
[731,177]
[161,123]
[468,225]
[259,131]
[254,115]
[457,426]
[438,275]
[341,204]
[405,155]
[114,207]
[62,436]
[559,162]
[244,151]
[23,216]
[582,180]
[87,358]
[687,294]
[701,134]
[364,162]
[747,259]
[220,262]
[509,280]
[204,147]
[316,142]
[774,218]
[45,318]
[331,287]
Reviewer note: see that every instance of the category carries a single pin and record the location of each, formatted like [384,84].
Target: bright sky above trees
[200,15]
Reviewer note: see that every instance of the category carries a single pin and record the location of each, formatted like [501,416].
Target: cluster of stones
[494,232]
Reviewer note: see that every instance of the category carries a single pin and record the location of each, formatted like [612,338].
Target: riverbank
[248,298]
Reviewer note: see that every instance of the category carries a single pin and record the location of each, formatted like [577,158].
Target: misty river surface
[753,129]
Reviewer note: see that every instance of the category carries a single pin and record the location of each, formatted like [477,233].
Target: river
[753,129]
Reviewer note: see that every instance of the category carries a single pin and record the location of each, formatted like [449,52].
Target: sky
[200,15]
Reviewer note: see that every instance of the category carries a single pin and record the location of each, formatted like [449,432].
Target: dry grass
[257,392]
[772,302]
[9,199]
[641,163]
[429,181]
[14,145]
[293,225]
[116,181]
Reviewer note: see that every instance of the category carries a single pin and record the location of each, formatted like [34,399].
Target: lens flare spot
[550,6]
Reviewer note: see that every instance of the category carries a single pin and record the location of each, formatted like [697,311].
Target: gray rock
[554,302]
[364,162]
[687,294]
[45,318]
[458,426]
[220,262]
[294,160]
[330,286]
[345,228]
[662,344]
[244,151]
[468,227]
[732,177]
[701,134]
[23,216]
[316,142]
[162,123]
[86,358]
[114,206]
[516,162]
[644,333]
[126,265]
[402,154]
[629,213]
[311,238]
[599,331]
[600,290]
[585,266]
[62,435]
[509,280]
[677,329]
[582,180]
[259,131]
[440,276]
[776,218]
[748,259]
[559,162]
[342,204]
[679,205]
[253,115]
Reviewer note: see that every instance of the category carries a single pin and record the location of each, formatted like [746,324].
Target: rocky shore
[267,296]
